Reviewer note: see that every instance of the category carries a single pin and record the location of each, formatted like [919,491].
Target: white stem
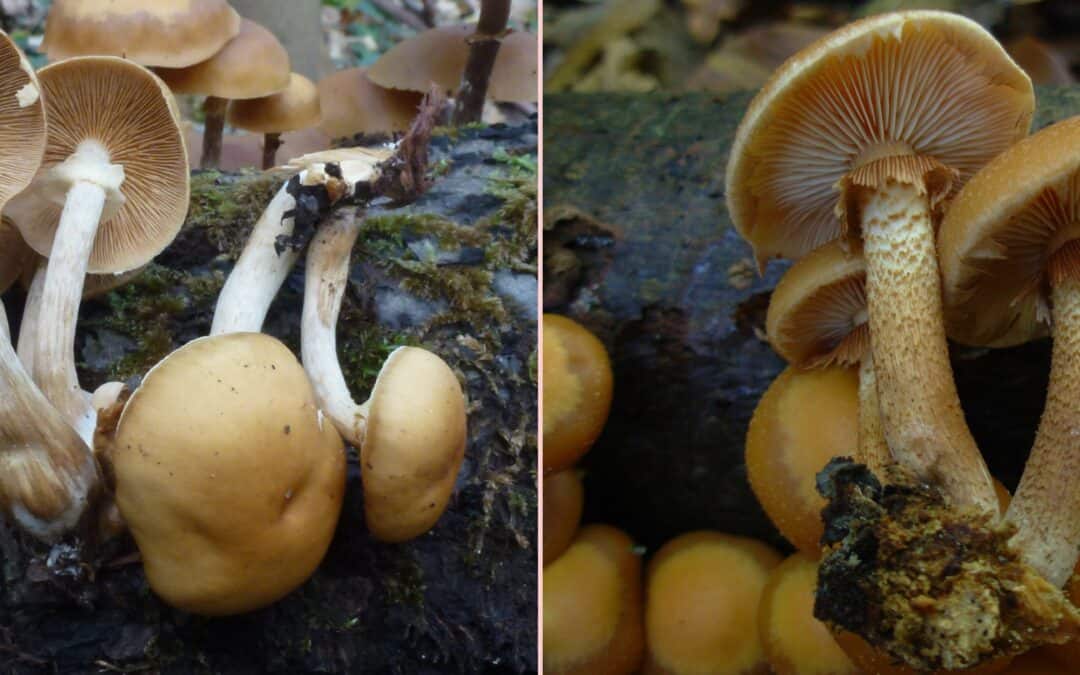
[54,359]
[254,281]
[47,472]
[31,313]
[327,276]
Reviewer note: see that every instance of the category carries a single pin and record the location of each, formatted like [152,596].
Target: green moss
[228,206]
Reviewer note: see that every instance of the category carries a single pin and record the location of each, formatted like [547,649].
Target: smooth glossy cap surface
[351,104]
[998,235]
[296,107]
[130,113]
[928,83]
[169,33]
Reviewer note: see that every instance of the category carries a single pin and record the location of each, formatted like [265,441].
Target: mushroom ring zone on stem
[226,474]
[411,432]
[111,193]
[1010,252]
[258,274]
[865,131]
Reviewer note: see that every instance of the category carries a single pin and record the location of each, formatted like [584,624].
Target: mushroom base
[932,585]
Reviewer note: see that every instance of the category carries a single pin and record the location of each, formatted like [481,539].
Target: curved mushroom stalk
[31,312]
[47,473]
[411,432]
[892,201]
[254,281]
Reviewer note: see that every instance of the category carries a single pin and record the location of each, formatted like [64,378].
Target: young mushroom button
[101,202]
[1010,252]
[874,123]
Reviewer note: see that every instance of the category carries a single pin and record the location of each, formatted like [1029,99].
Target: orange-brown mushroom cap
[592,606]
[15,255]
[253,64]
[817,314]
[438,56]
[1000,232]
[928,83]
[295,107]
[564,500]
[131,114]
[351,104]
[701,605]
[169,33]
[22,121]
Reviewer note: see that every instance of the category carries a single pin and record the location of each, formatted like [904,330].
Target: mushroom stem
[483,48]
[271,144]
[920,409]
[214,125]
[30,316]
[1046,502]
[47,473]
[54,357]
[326,280]
[873,450]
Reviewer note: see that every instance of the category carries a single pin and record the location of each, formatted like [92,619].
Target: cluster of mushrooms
[892,160]
[227,463]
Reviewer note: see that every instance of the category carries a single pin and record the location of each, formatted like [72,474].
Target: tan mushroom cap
[351,104]
[818,314]
[295,107]
[131,113]
[439,55]
[251,65]
[15,255]
[1000,233]
[168,33]
[953,95]
[22,121]
[227,474]
[414,444]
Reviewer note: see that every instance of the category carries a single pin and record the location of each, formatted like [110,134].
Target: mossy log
[455,272]
[639,247]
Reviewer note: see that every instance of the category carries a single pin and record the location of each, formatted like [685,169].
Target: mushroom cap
[592,606]
[413,446]
[227,474]
[22,122]
[168,33]
[438,56]
[928,83]
[295,107]
[794,641]
[351,104]
[999,233]
[817,314]
[131,114]
[577,391]
[701,604]
[804,419]
[15,255]
[564,500]
[251,65]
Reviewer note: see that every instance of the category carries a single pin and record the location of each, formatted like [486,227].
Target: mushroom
[352,104]
[564,500]
[226,474]
[439,56]
[592,606]
[817,316]
[483,48]
[295,107]
[101,201]
[1010,257]
[14,253]
[875,123]
[701,604]
[168,33]
[251,65]
[577,385]
[411,432]
[794,642]
[790,440]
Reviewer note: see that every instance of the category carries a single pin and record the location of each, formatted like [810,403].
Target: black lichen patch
[933,585]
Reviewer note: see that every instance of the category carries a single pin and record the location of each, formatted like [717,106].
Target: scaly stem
[47,473]
[1047,502]
[873,450]
[920,410]
[327,277]
[54,359]
[214,126]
